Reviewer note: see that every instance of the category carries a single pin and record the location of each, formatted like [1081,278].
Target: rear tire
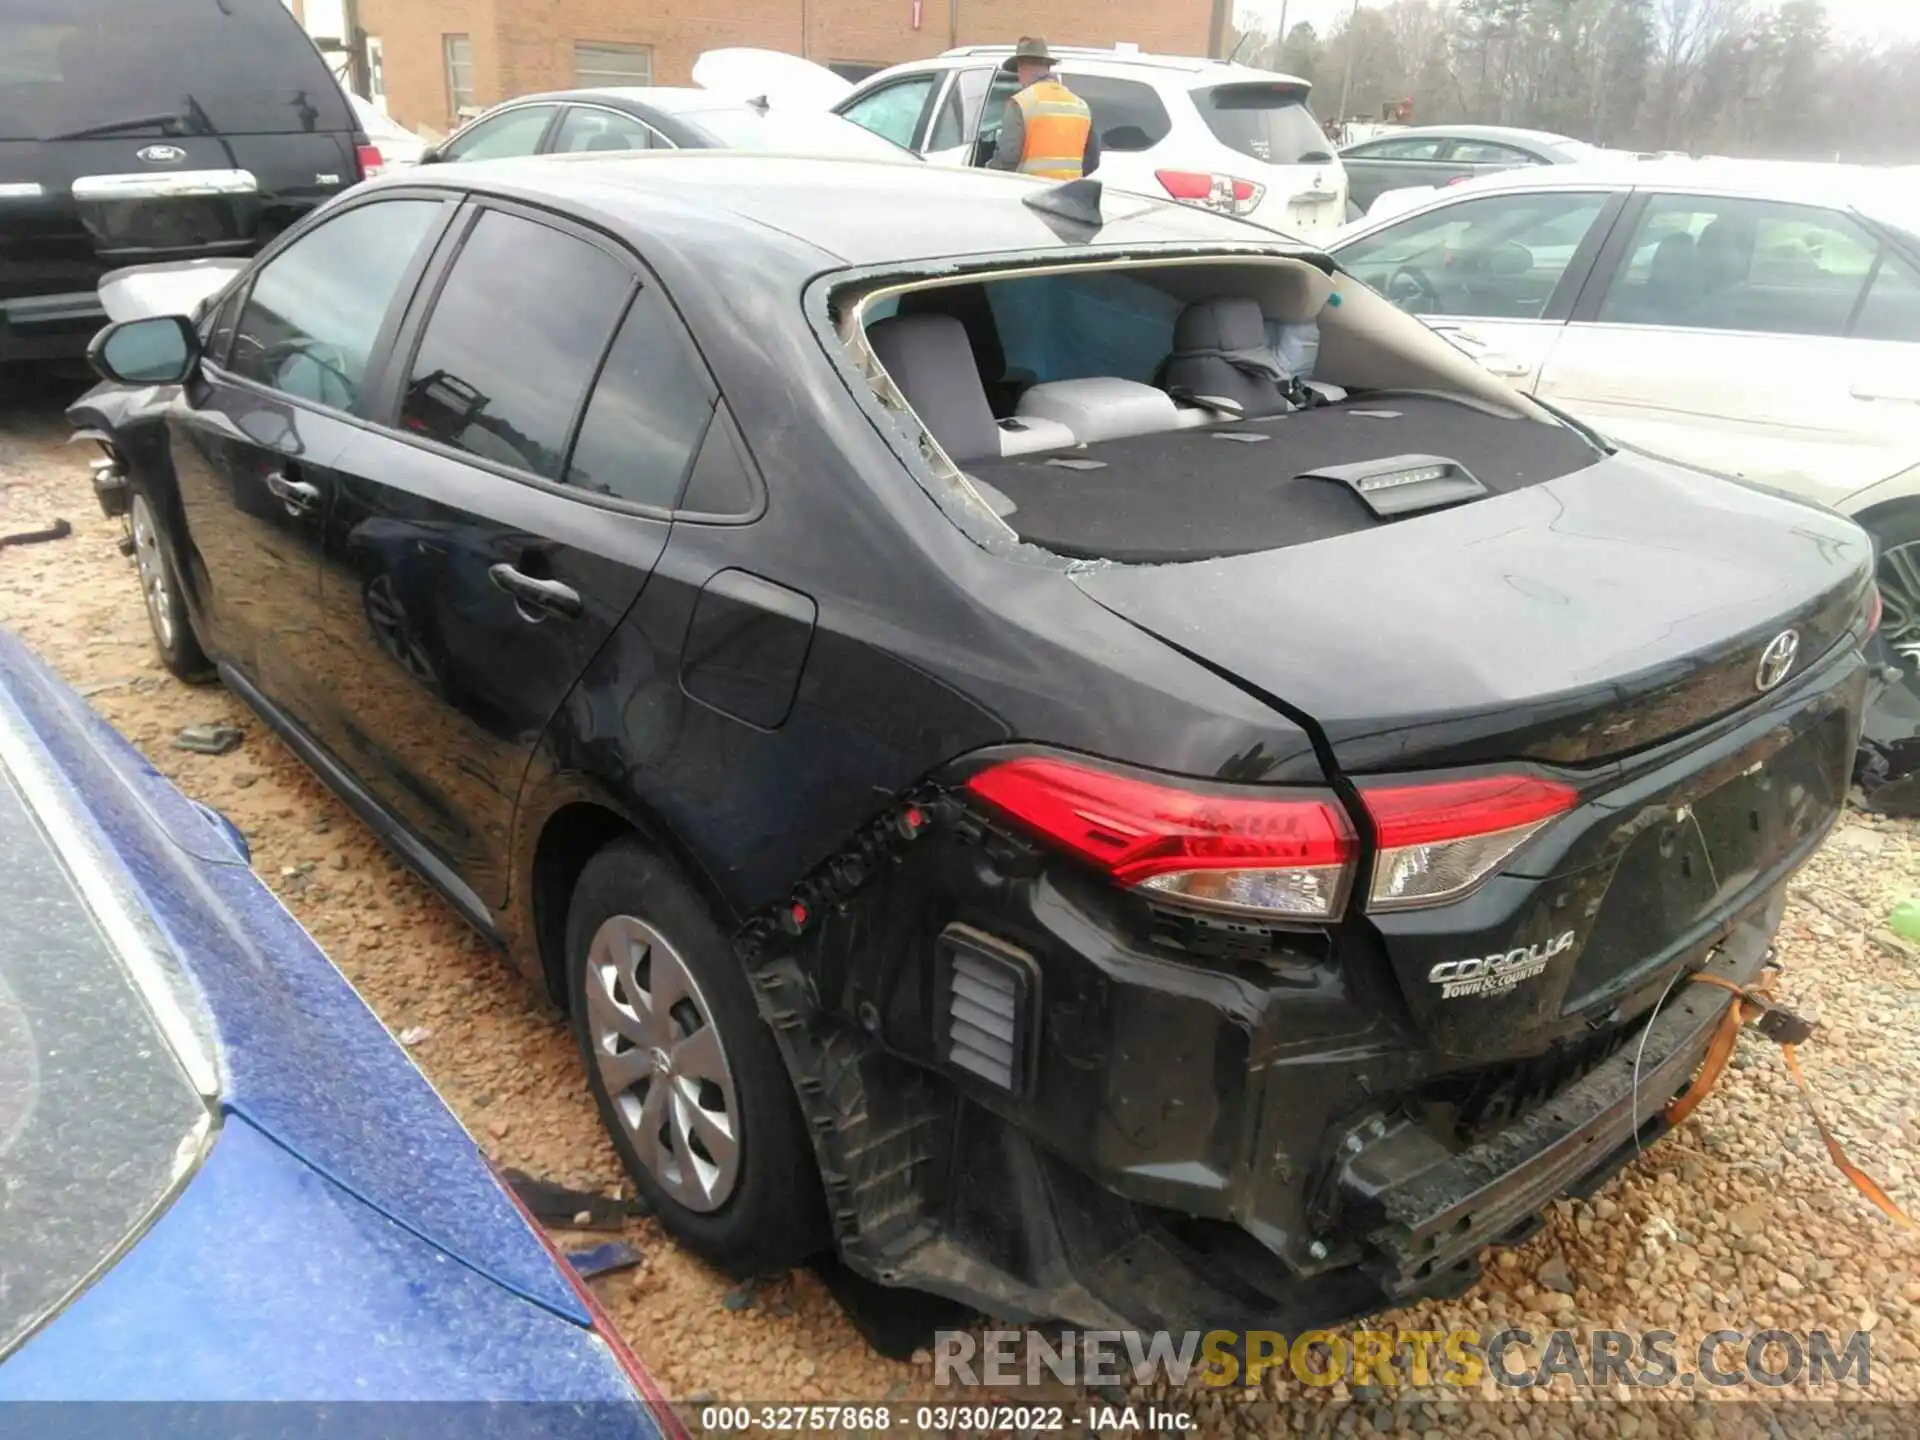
[166,601]
[687,1076]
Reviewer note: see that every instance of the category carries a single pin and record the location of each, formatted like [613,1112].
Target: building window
[595,66]
[459,53]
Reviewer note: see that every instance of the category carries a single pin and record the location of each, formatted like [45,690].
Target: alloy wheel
[153,570]
[662,1063]
[1898,574]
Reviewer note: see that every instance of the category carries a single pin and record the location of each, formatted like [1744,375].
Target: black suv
[141,130]
[1001,781]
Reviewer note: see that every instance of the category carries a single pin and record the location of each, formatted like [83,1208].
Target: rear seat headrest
[1228,322]
[932,363]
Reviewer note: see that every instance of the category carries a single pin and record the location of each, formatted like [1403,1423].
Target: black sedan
[1436,155]
[656,117]
[1007,780]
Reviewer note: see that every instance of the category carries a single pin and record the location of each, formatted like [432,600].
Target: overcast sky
[1863,17]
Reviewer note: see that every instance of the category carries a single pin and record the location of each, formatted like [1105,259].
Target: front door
[255,436]
[488,537]
[1496,274]
[1773,341]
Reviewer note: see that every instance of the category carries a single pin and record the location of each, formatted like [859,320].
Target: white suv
[1225,136]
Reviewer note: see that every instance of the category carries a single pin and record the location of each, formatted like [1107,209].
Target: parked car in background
[1432,156]
[1226,137]
[224,1180]
[1761,320]
[657,117]
[819,618]
[399,147]
[140,130]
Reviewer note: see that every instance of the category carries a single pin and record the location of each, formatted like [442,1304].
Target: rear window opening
[1159,411]
[1267,121]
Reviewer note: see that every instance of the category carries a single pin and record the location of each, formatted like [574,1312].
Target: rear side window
[1268,122]
[1485,152]
[316,308]
[511,346]
[1128,114]
[502,136]
[649,408]
[143,69]
[587,129]
[1425,149]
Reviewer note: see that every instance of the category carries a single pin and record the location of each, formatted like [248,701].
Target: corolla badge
[1776,660]
[161,154]
[1497,973]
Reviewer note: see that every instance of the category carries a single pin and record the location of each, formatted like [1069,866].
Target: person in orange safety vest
[1047,130]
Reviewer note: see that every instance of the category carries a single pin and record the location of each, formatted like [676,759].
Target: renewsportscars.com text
[1510,1359]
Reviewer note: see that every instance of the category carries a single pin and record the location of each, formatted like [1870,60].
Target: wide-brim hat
[1032,47]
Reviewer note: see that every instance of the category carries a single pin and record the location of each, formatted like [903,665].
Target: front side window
[1714,263]
[893,111]
[649,409]
[315,309]
[1497,258]
[503,136]
[512,343]
[597,66]
[589,129]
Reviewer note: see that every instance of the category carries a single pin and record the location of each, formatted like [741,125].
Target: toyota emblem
[161,154]
[1776,660]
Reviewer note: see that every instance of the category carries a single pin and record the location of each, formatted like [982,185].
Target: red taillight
[1875,608]
[1185,184]
[1217,192]
[1288,854]
[1438,841]
[603,1326]
[372,162]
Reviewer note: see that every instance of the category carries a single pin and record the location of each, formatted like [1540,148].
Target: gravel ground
[1736,1222]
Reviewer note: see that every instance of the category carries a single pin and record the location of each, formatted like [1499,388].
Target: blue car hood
[301,1057]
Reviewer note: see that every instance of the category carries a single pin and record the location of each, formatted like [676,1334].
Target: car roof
[850,211]
[1195,70]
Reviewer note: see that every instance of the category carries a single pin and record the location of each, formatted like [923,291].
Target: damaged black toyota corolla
[1053,742]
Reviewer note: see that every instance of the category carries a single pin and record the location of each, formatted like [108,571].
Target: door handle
[1505,366]
[531,594]
[297,495]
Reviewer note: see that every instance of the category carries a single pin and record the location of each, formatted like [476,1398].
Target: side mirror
[430,156]
[154,350]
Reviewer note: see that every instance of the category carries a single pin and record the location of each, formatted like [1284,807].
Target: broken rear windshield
[148,68]
[98,1122]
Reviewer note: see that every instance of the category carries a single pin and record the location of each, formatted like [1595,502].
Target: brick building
[435,58]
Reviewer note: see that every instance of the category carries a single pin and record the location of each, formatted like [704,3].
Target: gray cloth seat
[1220,351]
[932,363]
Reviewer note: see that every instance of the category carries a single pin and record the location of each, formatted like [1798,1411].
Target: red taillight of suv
[1289,855]
[371,161]
[1216,192]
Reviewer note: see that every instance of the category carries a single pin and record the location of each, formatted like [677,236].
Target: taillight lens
[603,1326]
[1291,855]
[372,162]
[1438,841]
[1224,193]
[1288,855]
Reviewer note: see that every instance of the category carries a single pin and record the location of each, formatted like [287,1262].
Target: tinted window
[1500,257]
[499,137]
[1426,149]
[1711,263]
[1892,308]
[240,67]
[512,344]
[585,129]
[1128,114]
[893,110]
[1268,122]
[315,309]
[649,409]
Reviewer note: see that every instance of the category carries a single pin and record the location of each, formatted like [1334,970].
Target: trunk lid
[1576,620]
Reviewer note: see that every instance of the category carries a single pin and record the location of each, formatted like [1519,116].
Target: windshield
[161,67]
[801,132]
[1266,121]
[98,1122]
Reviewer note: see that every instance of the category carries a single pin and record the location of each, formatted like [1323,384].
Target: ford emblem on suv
[1777,659]
[161,154]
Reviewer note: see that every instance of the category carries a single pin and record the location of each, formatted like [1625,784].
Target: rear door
[1771,340]
[542,411]
[1495,274]
[132,132]
[255,436]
